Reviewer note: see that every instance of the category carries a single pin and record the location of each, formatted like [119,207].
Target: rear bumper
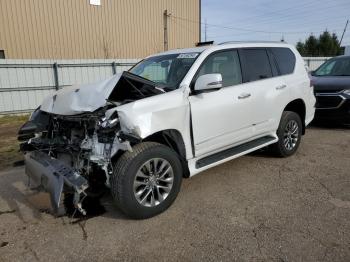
[53,176]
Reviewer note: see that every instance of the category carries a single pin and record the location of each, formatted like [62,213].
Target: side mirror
[312,72]
[208,81]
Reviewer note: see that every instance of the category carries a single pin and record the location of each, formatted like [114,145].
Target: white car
[172,115]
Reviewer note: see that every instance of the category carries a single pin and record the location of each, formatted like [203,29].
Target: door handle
[281,87]
[244,95]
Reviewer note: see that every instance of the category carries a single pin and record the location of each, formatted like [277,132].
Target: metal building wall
[74,29]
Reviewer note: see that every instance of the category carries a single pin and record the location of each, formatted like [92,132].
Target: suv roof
[225,45]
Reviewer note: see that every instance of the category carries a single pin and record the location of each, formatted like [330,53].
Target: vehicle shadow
[29,204]
[329,125]
[267,153]
[104,207]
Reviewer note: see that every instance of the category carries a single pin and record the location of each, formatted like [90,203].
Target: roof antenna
[282,39]
[205,30]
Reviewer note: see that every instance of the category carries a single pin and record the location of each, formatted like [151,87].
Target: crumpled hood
[75,100]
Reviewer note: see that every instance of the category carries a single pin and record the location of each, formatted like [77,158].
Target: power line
[249,33]
[295,17]
[265,16]
[307,4]
[297,13]
[182,26]
[334,30]
[244,29]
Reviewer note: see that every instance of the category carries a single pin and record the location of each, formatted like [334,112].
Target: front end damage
[52,175]
[71,154]
[71,151]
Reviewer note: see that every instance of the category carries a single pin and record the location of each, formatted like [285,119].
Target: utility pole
[205,30]
[165,24]
[346,25]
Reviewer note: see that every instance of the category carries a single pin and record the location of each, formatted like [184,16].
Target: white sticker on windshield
[188,55]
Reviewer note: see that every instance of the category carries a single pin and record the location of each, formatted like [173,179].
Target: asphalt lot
[255,208]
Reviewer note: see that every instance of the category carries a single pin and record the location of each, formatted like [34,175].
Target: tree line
[325,44]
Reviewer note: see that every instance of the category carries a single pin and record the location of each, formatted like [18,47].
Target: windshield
[334,67]
[167,71]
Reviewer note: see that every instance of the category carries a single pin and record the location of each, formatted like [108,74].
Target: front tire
[146,182]
[289,134]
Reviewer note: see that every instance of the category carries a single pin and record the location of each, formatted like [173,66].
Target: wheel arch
[298,106]
[173,139]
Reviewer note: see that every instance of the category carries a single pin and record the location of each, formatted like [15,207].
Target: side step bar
[208,160]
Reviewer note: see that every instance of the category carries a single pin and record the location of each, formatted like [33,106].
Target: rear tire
[146,182]
[289,134]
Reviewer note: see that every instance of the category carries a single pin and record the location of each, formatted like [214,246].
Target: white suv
[172,115]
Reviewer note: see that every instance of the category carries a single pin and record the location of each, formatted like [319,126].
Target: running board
[208,160]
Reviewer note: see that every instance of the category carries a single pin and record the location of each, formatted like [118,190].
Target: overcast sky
[293,19]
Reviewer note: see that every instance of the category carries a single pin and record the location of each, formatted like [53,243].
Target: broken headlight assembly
[109,121]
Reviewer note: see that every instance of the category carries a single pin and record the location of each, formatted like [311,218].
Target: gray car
[332,90]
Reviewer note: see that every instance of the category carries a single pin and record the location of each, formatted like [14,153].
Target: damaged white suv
[171,116]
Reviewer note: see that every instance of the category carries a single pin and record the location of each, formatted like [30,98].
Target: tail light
[311,83]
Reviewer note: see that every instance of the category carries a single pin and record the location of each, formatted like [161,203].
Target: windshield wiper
[112,102]
[160,88]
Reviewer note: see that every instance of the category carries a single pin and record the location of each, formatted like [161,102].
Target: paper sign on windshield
[188,55]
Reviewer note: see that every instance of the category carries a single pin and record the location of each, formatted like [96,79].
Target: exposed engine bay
[74,153]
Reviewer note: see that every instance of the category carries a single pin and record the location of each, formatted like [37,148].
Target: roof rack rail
[204,43]
[234,42]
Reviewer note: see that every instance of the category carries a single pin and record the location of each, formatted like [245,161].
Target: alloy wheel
[291,135]
[153,182]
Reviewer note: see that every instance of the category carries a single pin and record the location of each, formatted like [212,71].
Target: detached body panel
[52,176]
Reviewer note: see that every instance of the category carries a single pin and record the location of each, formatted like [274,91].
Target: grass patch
[9,145]
[10,119]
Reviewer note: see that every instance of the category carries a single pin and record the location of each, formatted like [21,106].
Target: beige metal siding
[71,29]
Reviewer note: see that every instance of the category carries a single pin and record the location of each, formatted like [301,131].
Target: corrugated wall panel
[72,29]
[25,83]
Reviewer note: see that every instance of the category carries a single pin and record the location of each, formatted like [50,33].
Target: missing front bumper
[53,176]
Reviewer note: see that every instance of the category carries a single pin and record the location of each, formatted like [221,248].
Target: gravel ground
[255,208]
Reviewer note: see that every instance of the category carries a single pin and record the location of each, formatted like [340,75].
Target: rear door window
[255,64]
[285,59]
